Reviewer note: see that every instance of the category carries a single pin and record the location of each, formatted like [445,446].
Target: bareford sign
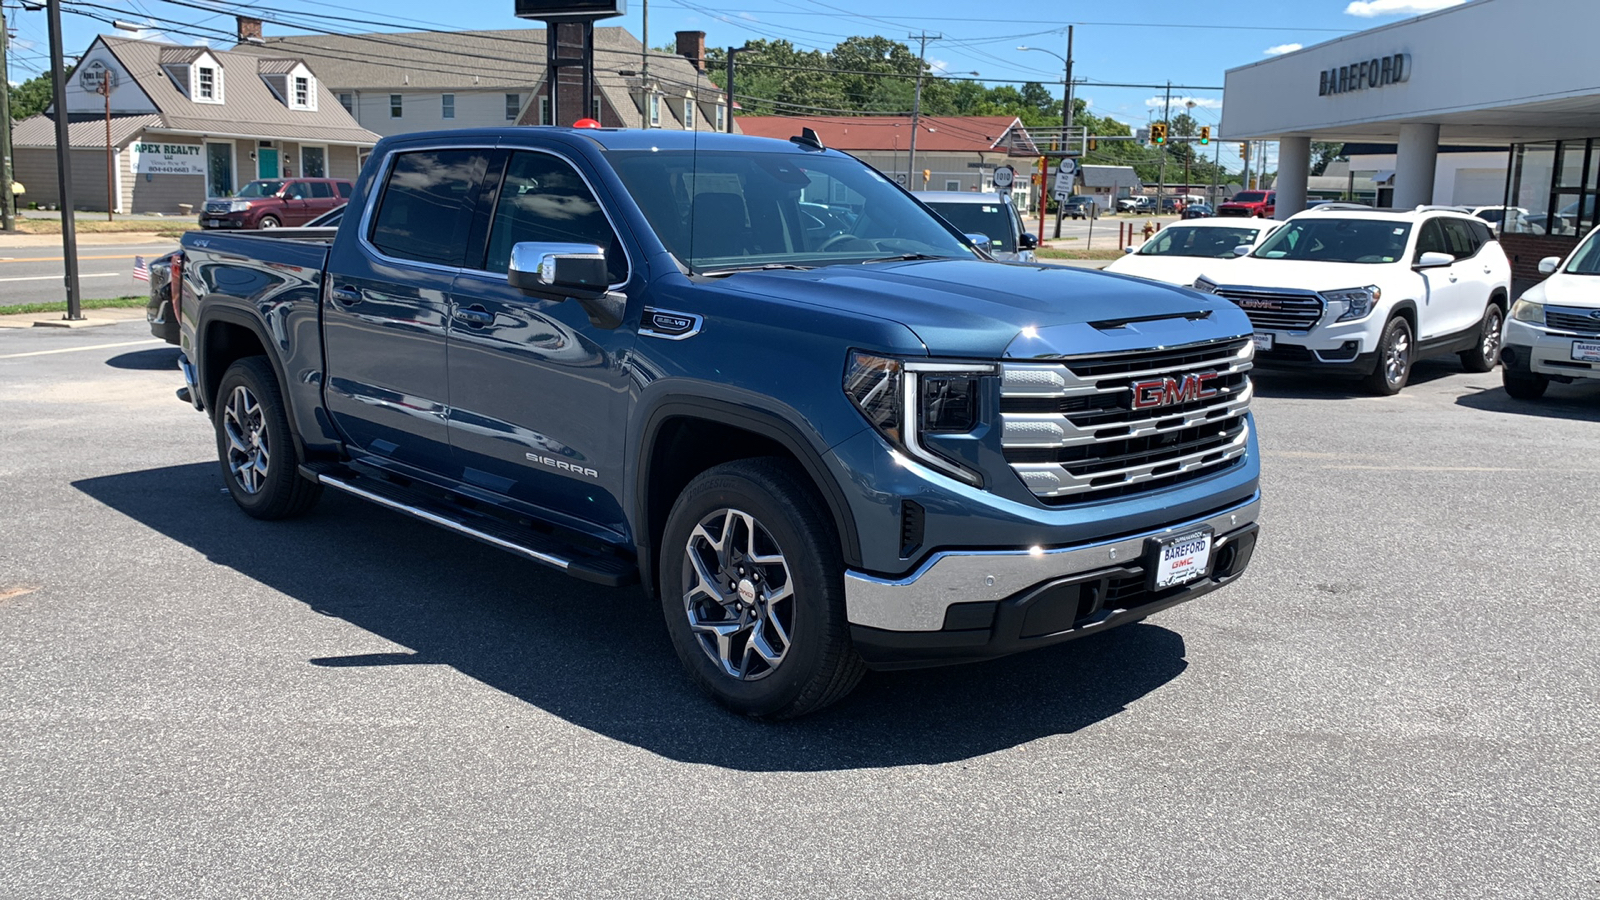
[151,158]
[1378,72]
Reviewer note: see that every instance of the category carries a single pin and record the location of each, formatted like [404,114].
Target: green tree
[1323,153]
[32,96]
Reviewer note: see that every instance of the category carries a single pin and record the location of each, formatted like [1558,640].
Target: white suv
[1369,292]
[1554,330]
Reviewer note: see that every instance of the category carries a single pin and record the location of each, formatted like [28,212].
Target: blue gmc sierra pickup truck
[819,425]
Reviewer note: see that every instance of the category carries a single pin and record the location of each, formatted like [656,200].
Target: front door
[267,162]
[538,395]
[384,325]
[219,170]
[297,203]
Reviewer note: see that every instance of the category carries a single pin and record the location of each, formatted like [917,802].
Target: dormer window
[655,110]
[302,91]
[207,84]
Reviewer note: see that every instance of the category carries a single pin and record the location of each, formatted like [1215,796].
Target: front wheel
[752,588]
[268,222]
[1524,385]
[254,444]
[1394,359]
[1486,354]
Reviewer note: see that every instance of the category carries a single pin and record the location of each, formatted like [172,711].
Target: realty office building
[186,123]
[1517,75]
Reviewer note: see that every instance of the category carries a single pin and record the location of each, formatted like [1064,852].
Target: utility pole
[106,86]
[1216,170]
[644,62]
[916,104]
[1245,176]
[69,231]
[8,200]
[1161,176]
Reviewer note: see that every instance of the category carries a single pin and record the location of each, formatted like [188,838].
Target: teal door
[267,162]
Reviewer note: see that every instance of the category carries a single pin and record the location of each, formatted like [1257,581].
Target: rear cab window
[425,212]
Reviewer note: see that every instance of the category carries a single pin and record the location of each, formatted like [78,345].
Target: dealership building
[1451,91]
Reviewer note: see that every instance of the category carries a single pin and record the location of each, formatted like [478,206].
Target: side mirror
[567,272]
[1549,264]
[1127,250]
[1242,250]
[1433,260]
[981,241]
[1027,241]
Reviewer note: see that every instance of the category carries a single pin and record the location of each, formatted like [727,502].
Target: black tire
[1485,355]
[1396,352]
[268,222]
[1524,385]
[255,447]
[817,665]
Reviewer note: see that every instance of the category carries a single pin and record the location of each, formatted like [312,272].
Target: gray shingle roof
[1110,176]
[250,108]
[84,131]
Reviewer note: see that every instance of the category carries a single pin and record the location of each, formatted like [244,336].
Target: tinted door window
[1459,238]
[296,191]
[1431,240]
[321,189]
[426,210]
[344,189]
[543,199]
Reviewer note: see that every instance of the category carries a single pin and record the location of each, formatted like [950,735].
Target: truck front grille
[1578,321]
[1072,432]
[1276,310]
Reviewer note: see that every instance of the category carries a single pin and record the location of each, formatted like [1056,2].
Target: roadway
[35,274]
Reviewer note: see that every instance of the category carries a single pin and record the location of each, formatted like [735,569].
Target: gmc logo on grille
[1172,391]
[1272,305]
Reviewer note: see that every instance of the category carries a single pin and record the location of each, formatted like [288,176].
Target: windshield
[1338,240]
[990,219]
[1249,197]
[720,210]
[260,189]
[1187,240]
[1586,260]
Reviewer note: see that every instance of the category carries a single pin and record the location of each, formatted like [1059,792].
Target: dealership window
[395,108]
[447,106]
[513,106]
[1552,188]
[347,101]
[544,110]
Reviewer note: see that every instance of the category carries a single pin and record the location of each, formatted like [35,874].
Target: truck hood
[986,310]
[1561,289]
[1291,274]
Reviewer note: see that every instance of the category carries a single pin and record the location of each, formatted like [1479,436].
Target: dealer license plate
[1262,340]
[1586,351]
[1181,559]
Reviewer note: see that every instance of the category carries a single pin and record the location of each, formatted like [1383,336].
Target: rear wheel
[254,444]
[1394,359]
[752,588]
[1486,354]
[1524,385]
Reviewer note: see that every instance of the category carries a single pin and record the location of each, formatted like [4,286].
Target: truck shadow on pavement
[1578,402]
[600,658]
[159,359]
[1300,384]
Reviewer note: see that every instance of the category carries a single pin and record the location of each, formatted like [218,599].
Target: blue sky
[1135,41]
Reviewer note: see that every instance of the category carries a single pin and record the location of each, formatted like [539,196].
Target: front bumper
[961,606]
[1530,348]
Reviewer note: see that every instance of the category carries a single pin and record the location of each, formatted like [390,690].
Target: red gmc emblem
[1171,391]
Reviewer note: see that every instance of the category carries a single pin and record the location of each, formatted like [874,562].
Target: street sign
[1004,176]
[1061,196]
[91,76]
[1067,167]
[1065,172]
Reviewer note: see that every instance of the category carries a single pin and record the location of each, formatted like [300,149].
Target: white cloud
[1369,9]
[1282,49]
[747,17]
[938,65]
[1181,103]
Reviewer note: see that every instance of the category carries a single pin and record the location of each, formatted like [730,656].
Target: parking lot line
[76,349]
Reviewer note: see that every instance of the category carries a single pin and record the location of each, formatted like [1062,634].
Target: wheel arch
[683,437]
[1406,309]
[224,336]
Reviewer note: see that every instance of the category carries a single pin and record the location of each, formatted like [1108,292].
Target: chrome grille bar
[1276,309]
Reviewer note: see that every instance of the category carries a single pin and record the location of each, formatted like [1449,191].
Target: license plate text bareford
[1262,339]
[1180,559]
[1586,351]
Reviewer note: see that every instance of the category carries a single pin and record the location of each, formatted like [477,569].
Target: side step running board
[574,560]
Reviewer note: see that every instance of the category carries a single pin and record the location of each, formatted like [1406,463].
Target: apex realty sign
[150,158]
[1371,73]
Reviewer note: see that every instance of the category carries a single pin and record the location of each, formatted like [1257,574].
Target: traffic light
[1094,144]
[1205,134]
[927,175]
[1244,151]
[1158,133]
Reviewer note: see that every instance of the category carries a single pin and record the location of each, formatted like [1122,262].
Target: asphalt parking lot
[1399,699]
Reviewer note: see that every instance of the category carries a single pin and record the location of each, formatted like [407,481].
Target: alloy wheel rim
[269,222]
[1491,338]
[249,448]
[1397,357]
[738,594]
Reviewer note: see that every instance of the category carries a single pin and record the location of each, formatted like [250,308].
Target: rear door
[1444,294]
[322,199]
[1472,286]
[538,394]
[387,308]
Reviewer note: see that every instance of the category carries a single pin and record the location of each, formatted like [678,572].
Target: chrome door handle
[475,315]
[345,294]
[1453,278]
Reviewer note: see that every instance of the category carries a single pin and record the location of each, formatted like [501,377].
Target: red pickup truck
[1258,204]
[274,202]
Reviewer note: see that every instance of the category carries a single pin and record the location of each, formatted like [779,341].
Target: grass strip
[23,309]
[1078,253]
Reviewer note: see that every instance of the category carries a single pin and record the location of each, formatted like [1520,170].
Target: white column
[1294,168]
[1416,159]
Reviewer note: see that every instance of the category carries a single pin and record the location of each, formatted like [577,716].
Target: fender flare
[742,415]
[243,318]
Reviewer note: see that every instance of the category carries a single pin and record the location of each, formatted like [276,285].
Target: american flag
[141,269]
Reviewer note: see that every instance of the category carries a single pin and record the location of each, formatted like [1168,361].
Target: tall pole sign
[96,78]
[569,44]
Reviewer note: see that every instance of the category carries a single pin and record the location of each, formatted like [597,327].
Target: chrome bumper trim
[918,601]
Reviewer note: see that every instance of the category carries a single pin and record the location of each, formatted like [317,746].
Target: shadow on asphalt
[161,358]
[1579,402]
[600,658]
[1302,384]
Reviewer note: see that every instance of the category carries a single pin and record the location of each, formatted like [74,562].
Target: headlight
[906,399]
[239,206]
[1205,285]
[1528,311]
[1357,301]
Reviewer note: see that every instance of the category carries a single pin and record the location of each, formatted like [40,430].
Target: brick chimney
[692,46]
[248,28]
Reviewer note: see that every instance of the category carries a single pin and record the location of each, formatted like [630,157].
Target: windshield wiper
[905,257]
[712,273]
